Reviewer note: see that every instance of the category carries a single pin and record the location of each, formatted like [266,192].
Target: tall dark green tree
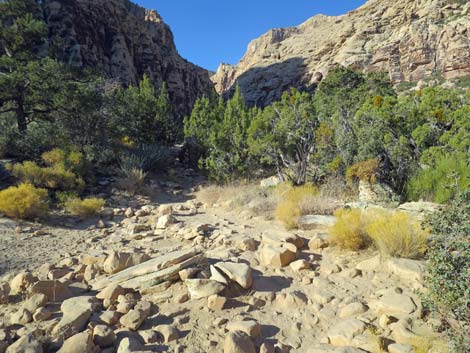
[28,79]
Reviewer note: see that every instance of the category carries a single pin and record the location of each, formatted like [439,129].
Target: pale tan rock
[300,265]
[344,332]
[21,317]
[278,256]
[21,282]
[400,348]
[238,272]
[352,309]
[216,302]
[103,336]
[169,332]
[79,343]
[318,241]
[164,222]
[35,302]
[76,313]
[135,317]
[398,305]
[266,348]
[238,342]
[26,344]
[203,288]
[42,314]
[250,327]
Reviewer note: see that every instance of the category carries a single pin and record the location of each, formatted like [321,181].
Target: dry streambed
[186,278]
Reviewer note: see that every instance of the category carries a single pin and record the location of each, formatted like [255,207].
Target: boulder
[75,315]
[203,288]
[103,336]
[216,302]
[26,344]
[165,221]
[21,282]
[250,327]
[278,256]
[135,317]
[168,332]
[310,222]
[21,317]
[79,343]
[238,342]
[400,348]
[237,272]
[352,309]
[118,261]
[54,290]
[394,304]
[318,241]
[300,265]
[35,302]
[344,332]
[276,238]
[42,314]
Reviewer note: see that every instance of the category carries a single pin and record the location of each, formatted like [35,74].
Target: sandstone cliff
[124,41]
[409,39]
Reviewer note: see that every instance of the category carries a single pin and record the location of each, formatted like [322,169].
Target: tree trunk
[21,116]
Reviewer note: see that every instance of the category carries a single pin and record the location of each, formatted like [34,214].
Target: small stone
[343,333]
[238,342]
[135,317]
[181,298]
[400,348]
[299,265]
[237,272]
[103,336]
[27,344]
[79,343]
[250,327]
[110,317]
[352,309]
[278,256]
[203,288]
[164,222]
[21,282]
[21,317]
[168,332]
[319,241]
[394,304]
[35,302]
[216,302]
[42,314]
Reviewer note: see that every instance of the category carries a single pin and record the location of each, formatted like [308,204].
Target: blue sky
[208,32]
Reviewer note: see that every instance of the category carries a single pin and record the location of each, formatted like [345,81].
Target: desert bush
[429,345]
[318,205]
[349,232]
[24,202]
[448,276]
[132,181]
[397,234]
[288,210]
[365,171]
[84,208]
[55,177]
[73,161]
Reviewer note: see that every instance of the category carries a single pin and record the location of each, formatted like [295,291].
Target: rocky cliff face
[124,41]
[410,40]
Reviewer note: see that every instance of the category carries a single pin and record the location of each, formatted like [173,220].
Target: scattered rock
[238,342]
[103,336]
[300,265]
[250,327]
[21,317]
[26,344]
[168,332]
[79,343]
[343,333]
[203,288]
[400,348]
[310,222]
[237,272]
[279,256]
[352,309]
[318,241]
[76,313]
[135,317]
[35,302]
[21,282]
[4,293]
[216,302]
[42,314]
[395,304]
[164,222]
[54,290]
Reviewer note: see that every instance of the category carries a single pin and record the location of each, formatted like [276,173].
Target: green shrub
[84,208]
[439,182]
[24,202]
[448,279]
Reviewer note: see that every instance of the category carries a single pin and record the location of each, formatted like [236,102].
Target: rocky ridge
[123,41]
[410,40]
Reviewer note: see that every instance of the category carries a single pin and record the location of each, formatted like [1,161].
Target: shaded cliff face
[409,39]
[124,41]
